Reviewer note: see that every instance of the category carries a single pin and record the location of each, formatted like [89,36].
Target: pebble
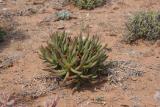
[4,9]
[157,96]
[157,44]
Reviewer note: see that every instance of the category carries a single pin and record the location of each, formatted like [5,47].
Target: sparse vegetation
[2,34]
[63,15]
[72,69]
[143,25]
[3,27]
[74,59]
[88,4]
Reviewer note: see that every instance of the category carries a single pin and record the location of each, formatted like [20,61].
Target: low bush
[143,25]
[88,4]
[74,60]
[63,15]
[2,34]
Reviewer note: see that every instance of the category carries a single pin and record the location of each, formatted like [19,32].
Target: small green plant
[63,15]
[88,4]
[2,34]
[74,60]
[143,25]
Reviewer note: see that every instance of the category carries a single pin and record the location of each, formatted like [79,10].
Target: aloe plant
[74,59]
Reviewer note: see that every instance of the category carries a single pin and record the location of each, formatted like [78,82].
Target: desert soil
[135,81]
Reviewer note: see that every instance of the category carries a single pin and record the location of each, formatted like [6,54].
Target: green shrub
[74,59]
[88,4]
[63,15]
[143,25]
[2,34]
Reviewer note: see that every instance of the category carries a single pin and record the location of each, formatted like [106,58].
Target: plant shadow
[95,85]
[12,33]
[10,38]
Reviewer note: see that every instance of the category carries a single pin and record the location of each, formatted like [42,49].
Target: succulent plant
[63,15]
[143,25]
[88,4]
[74,59]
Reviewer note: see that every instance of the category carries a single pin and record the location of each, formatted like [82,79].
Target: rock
[60,27]
[5,9]
[124,105]
[157,44]
[38,2]
[157,96]
[134,79]
[113,34]
[115,7]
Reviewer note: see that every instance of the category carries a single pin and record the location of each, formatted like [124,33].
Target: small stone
[157,96]
[115,8]
[60,27]
[5,9]
[124,105]
[113,34]
[134,79]
[38,2]
[157,44]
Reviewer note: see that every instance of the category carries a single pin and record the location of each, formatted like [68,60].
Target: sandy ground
[137,79]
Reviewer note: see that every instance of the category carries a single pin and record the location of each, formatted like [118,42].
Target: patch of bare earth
[135,72]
